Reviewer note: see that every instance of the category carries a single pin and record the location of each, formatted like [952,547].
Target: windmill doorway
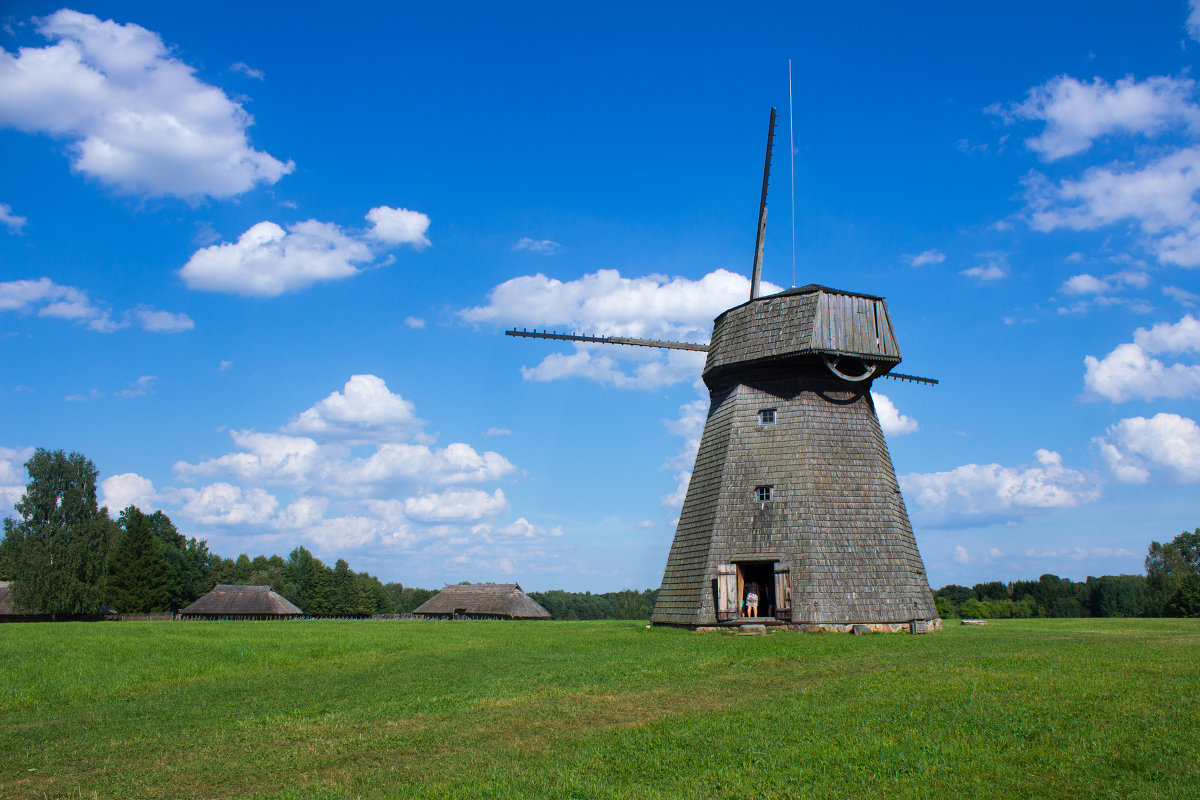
[769,581]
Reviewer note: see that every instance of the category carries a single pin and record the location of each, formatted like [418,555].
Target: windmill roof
[226,599]
[491,599]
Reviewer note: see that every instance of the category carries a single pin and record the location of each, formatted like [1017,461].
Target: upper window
[764,494]
[766,416]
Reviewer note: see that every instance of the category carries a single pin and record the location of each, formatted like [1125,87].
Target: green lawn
[1019,708]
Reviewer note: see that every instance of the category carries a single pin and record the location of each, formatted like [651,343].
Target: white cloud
[13,477]
[985,493]
[226,504]
[689,425]
[960,554]
[1182,296]
[993,267]
[1131,371]
[1135,447]
[1158,197]
[398,226]
[49,299]
[601,366]
[127,489]
[497,432]
[457,505]
[414,322]
[365,410]
[1078,113]
[544,246]
[604,303]
[1193,19]
[138,388]
[890,419]
[10,220]
[247,70]
[162,321]
[1085,283]
[137,119]
[926,257]
[1078,553]
[266,261]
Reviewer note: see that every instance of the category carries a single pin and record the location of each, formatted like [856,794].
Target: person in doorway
[752,600]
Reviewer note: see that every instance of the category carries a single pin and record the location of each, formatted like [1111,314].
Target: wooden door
[728,600]
[783,590]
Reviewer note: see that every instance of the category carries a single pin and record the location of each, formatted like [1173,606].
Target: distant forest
[67,557]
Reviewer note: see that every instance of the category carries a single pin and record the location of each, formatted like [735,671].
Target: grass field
[1030,708]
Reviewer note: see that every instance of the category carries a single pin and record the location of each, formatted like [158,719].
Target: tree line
[67,557]
[1170,588]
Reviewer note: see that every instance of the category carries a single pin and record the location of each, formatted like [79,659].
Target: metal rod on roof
[760,240]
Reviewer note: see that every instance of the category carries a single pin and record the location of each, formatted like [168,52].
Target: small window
[764,494]
[766,416]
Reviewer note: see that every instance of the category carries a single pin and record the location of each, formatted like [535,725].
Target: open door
[728,602]
[783,590]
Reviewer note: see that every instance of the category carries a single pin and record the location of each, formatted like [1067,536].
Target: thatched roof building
[241,602]
[482,601]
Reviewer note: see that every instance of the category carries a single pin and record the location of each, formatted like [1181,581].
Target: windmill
[793,495]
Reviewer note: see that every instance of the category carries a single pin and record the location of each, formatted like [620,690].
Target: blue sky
[256,263]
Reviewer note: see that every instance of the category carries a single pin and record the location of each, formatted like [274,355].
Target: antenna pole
[756,274]
[792,156]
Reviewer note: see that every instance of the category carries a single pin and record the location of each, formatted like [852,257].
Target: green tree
[137,570]
[1167,566]
[1186,600]
[56,551]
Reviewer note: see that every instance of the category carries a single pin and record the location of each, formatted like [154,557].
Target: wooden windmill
[793,495]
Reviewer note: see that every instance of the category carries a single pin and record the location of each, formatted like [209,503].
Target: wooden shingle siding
[836,519]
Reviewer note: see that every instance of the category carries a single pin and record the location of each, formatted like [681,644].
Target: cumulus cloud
[960,554]
[127,489]
[1077,113]
[398,226]
[543,246]
[10,220]
[1193,19]
[458,505]
[139,388]
[267,261]
[890,419]
[136,119]
[45,298]
[1182,296]
[1135,447]
[365,410]
[416,323]
[604,303]
[986,493]
[689,425]
[1078,553]
[226,504]
[926,257]
[1131,371]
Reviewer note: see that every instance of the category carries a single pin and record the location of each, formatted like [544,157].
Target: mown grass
[1036,708]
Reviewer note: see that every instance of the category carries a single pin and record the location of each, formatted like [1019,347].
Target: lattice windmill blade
[793,508]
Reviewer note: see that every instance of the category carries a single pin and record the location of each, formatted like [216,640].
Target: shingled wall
[837,516]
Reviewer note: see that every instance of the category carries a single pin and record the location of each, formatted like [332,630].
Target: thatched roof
[483,599]
[241,601]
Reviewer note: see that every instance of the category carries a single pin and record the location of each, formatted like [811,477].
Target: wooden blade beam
[573,337]
[760,240]
[900,376]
